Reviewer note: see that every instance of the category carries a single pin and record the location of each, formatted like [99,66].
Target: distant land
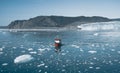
[55,21]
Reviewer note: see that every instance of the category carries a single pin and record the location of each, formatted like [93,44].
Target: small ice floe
[106,44]
[63,70]
[118,52]
[63,54]
[92,51]
[1,52]
[90,67]
[23,51]
[4,64]
[94,58]
[39,70]
[41,50]
[81,50]
[1,49]
[23,58]
[75,46]
[41,65]
[63,66]
[3,32]
[91,63]
[112,49]
[46,66]
[93,45]
[33,52]
[96,34]
[110,62]
[14,47]
[30,49]
[97,67]
[48,49]
[21,46]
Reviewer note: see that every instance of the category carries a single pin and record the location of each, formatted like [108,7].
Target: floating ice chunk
[112,49]
[63,70]
[48,49]
[63,54]
[81,50]
[14,47]
[33,52]
[41,50]
[23,51]
[46,66]
[94,58]
[97,67]
[90,67]
[1,49]
[91,63]
[21,46]
[118,52]
[96,34]
[39,70]
[23,58]
[1,52]
[4,64]
[3,32]
[41,65]
[30,49]
[75,46]
[93,45]
[92,51]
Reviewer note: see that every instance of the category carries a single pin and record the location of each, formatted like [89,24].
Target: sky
[11,10]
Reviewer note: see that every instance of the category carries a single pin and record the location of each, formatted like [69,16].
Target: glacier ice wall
[113,25]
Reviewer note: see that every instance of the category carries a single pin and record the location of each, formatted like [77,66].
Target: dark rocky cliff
[54,21]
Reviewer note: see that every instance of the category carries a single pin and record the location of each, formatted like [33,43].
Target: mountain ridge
[55,21]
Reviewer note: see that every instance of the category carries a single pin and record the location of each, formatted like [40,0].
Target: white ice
[1,52]
[33,52]
[75,46]
[1,49]
[4,64]
[96,34]
[41,65]
[41,50]
[118,52]
[114,25]
[92,51]
[23,58]
[30,49]
[97,67]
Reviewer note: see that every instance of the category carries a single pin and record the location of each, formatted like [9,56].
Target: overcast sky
[11,10]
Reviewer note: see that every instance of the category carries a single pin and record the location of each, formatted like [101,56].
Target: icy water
[82,52]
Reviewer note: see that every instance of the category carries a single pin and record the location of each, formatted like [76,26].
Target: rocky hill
[54,21]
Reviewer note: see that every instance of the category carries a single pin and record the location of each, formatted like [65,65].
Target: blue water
[82,52]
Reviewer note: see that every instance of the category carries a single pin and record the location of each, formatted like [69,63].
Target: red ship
[57,43]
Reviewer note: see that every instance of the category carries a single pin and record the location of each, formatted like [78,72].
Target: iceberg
[23,58]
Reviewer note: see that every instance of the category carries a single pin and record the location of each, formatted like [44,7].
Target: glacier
[113,25]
